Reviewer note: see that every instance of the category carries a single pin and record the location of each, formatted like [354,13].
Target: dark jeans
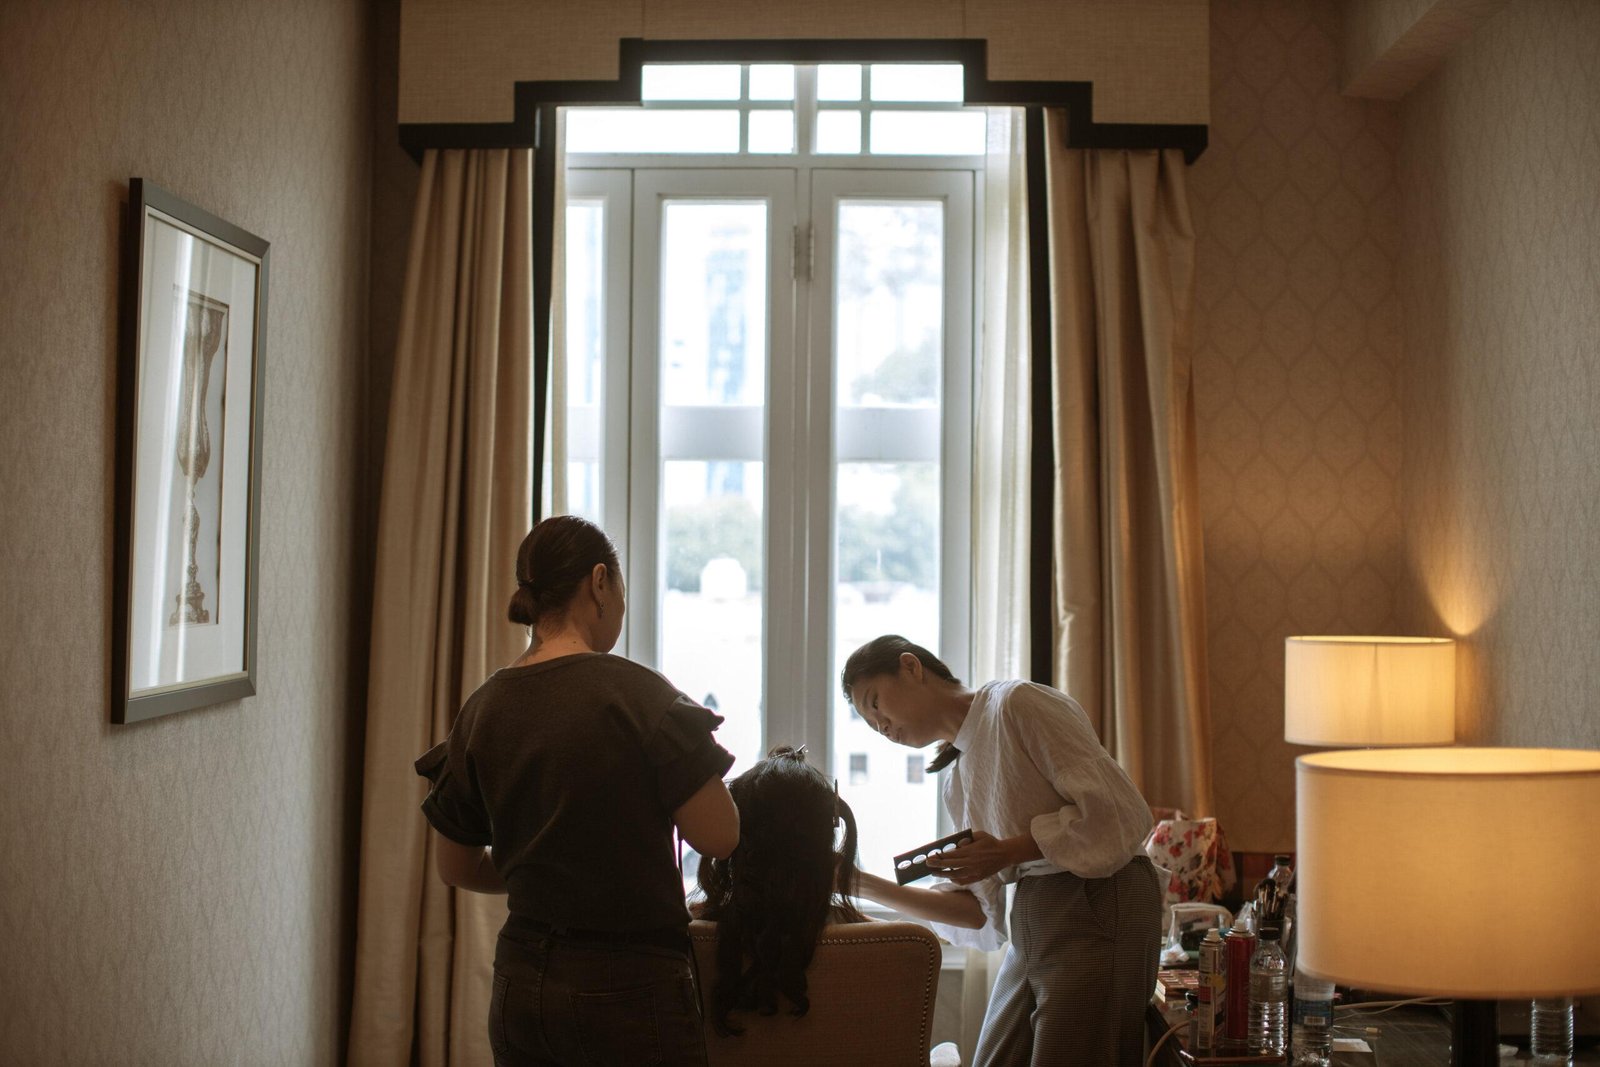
[562,1001]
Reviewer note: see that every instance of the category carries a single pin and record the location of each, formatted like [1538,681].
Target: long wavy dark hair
[772,897]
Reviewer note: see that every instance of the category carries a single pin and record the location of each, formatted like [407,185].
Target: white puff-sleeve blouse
[1032,763]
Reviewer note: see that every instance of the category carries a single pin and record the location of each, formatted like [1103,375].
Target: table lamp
[1369,691]
[1450,872]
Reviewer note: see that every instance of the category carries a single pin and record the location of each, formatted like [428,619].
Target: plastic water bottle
[1551,1023]
[1313,1022]
[1269,995]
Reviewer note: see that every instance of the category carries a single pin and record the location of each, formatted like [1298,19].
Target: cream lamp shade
[1456,872]
[1369,691]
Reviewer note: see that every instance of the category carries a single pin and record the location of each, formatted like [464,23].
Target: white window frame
[799,687]
[685,440]
[876,434]
[606,439]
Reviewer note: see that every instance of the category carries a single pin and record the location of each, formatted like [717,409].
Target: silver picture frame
[189,436]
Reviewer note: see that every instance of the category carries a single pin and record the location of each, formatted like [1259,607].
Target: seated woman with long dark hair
[786,880]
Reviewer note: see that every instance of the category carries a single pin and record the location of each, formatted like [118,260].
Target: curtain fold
[1128,572]
[456,502]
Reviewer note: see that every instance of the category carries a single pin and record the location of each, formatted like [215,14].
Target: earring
[602,611]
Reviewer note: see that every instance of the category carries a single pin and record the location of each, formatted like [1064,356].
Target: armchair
[871,987]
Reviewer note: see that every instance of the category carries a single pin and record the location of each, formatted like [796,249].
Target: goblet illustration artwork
[204,328]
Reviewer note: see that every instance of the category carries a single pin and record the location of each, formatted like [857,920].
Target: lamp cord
[1386,1005]
[1174,1028]
[1382,1006]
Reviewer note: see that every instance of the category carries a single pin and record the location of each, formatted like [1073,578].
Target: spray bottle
[1213,991]
[1237,950]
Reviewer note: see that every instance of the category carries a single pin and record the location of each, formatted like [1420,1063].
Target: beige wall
[1297,381]
[1500,163]
[1372,27]
[1392,45]
[1147,58]
[172,892]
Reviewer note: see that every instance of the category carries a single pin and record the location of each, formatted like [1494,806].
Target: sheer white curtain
[554,498]
[1000,468]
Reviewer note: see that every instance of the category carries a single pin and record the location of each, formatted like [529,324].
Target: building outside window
[916,770]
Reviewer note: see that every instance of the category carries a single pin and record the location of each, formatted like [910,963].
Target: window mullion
[786,705]
[816,397]
[805,121]
[644,511]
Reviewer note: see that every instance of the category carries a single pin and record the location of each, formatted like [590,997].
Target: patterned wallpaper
[1499,164]
[1392,45]
[1372,27]
[173,892]
[1297,381]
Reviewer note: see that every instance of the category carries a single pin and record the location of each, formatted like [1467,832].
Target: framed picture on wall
[189,427]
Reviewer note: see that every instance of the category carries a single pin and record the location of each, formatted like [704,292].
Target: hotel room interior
[1370,333]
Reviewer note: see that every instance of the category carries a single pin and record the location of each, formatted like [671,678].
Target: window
[769,329]
[858,768]
[916,770]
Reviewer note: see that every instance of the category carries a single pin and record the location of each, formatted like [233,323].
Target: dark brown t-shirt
[571,769]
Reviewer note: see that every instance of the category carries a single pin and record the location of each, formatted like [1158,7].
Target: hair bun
[524,607]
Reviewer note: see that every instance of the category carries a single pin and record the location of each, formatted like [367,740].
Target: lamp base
[1474,1034]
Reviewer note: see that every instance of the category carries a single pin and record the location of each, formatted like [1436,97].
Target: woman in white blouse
[1050,811]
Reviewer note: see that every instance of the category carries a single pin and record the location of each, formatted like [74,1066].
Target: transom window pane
[928,133]
[634,129]
[838,132]
[772,131]
[772,81]
[713,302]
[912,109]
[928,82]
[839,81]
[668,81]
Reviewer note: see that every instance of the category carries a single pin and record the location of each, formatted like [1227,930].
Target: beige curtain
[1129,619]
[457,484]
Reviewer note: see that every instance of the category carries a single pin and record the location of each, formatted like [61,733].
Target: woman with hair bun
[560,785]
[786,880]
